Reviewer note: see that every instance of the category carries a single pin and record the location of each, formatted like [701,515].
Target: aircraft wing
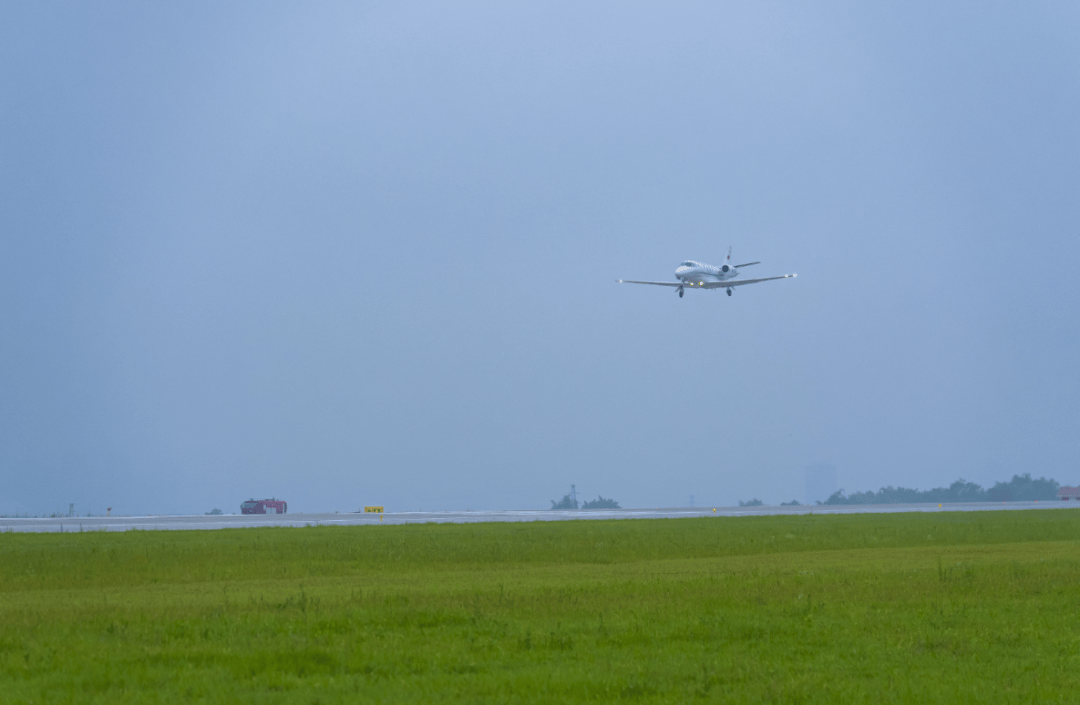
[710,285]
[627,281]
[738,282]
[746,265]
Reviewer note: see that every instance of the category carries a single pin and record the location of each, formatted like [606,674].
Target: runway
[243,521]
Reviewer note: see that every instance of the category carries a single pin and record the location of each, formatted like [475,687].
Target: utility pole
[573,495]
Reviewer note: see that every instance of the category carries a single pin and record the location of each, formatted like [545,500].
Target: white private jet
[706,276]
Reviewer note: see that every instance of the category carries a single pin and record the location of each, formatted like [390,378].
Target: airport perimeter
[809,605]
[236,521]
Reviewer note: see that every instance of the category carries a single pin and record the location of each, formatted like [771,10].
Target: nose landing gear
[729,291]
[680,292]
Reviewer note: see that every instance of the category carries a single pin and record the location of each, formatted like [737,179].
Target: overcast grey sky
[365,253]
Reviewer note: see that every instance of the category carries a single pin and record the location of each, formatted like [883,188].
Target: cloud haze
[366,253]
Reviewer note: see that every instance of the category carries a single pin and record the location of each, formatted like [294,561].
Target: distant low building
[1067,493]
[264,506]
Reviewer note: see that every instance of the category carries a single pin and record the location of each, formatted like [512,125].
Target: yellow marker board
[378,510]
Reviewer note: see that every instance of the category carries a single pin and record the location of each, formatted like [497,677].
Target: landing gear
[680,291]
[729,291]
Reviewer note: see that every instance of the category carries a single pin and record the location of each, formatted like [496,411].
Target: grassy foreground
[943,607]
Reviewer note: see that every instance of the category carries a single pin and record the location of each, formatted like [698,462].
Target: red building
[1067,493]
[264,506]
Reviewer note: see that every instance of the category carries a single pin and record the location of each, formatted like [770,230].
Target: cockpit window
[687,263]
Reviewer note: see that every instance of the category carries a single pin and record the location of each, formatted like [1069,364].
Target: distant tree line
[601,503]
[568,502]
[1021,488]
[758,503]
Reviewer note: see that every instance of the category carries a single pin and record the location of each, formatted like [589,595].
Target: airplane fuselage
[691,272]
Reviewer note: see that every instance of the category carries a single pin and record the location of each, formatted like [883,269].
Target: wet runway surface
[238,521]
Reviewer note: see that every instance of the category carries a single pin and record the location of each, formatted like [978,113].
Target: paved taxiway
[238,521]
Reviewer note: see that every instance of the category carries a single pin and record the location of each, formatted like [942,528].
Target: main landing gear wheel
[680,292]
[729,291]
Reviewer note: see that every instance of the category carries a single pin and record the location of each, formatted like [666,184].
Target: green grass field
[942,607]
